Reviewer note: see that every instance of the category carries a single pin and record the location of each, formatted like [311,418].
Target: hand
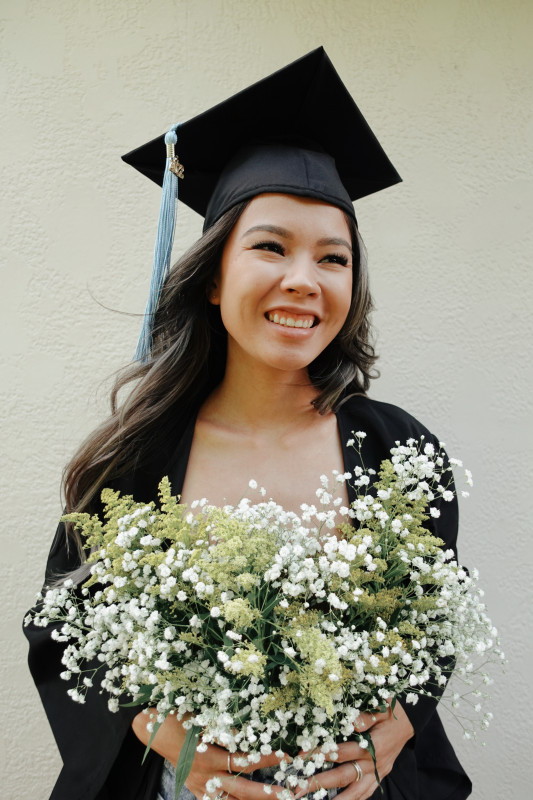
[390,732]
[212,763]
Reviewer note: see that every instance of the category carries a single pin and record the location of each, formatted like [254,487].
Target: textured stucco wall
[447,86]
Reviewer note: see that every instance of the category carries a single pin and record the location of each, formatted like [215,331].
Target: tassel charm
[174,163]
[163,245]
[176,167]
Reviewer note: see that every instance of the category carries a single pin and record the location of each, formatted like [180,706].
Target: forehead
[294,214]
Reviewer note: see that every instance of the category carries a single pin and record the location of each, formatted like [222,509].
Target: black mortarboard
[298,131]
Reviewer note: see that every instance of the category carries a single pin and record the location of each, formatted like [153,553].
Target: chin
[291,364]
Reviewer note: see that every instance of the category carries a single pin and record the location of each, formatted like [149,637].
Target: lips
[289,319]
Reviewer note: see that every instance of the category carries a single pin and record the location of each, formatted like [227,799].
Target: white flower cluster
[272,631]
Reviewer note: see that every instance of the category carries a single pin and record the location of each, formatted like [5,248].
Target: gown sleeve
[101,755]
[446,528]
[427,766]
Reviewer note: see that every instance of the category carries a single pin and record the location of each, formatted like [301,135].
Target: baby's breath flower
[253,613]
[213,784]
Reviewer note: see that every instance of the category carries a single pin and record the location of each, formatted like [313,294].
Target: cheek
[345,301]
[234,309]
[227,311]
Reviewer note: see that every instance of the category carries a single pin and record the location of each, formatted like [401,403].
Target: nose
[300,277]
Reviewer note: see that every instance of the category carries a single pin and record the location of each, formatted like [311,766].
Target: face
[285,281]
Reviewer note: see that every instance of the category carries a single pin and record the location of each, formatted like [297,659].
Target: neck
[252,396]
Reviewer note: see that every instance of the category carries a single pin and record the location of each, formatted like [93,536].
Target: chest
[222,462]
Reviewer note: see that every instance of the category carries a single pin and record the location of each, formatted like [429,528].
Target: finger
[367,720]
[362,790]
[343,775]
[221,760]
[348,751]
[222,796]
[245,789]
[239,762]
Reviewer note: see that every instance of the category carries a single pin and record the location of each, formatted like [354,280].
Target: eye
[270,245]
[335,258]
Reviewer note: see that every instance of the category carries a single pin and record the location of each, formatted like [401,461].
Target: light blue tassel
[163,244]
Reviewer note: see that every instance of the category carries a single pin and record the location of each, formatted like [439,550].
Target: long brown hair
[188,360]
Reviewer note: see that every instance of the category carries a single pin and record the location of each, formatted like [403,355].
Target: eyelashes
[336,258]
[273,246]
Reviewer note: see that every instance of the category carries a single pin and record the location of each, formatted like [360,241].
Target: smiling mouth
[292,320]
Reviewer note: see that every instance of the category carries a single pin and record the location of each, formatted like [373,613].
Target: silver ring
[358,770]
[229,764]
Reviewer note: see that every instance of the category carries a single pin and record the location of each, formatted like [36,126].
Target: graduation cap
[298,131]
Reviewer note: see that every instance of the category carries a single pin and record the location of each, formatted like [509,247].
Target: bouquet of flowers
[268,631]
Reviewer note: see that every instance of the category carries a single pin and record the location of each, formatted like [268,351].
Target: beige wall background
[446,84]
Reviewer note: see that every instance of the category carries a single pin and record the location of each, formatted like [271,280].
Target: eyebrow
[270,229]
[336,241]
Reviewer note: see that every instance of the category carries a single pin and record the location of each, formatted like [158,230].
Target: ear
[213,294]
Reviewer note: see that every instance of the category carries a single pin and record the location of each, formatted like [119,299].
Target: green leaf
[270,606]
[279,659]
[156,727]
[242,718]
[143,697]
[139,702]
[188,751]
[371,749]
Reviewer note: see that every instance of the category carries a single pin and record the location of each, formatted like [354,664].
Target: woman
[259,358]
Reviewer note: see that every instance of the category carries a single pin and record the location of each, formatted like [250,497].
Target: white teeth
[290,322]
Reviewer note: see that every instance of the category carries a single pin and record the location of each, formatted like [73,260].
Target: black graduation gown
[102,757]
